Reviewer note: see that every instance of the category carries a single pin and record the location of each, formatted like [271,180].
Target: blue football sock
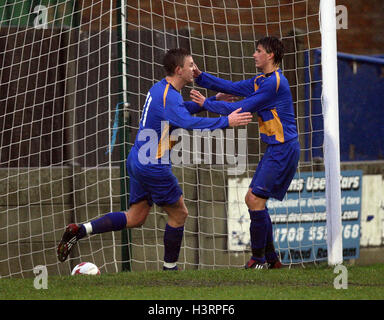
[258,232]
[172,243]
[82,232]
[269,228]
[271,256]
[270,253]
[112,221]
[259,260]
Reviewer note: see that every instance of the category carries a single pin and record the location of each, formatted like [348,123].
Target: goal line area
[74,77]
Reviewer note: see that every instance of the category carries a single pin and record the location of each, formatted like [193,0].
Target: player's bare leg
[137,214]
[134,217]
[173,235]
[177,213]
[254,202]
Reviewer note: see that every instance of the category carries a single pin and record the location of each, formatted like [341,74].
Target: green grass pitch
[309,283]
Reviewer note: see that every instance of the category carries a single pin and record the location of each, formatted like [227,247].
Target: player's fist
[239,119]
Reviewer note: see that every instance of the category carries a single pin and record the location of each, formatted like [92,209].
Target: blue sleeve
[259,100]
[179,116]
[193,107]
[241,88]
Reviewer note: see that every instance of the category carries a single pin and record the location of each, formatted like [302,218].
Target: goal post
[74,76]
[331,130]
[124,131]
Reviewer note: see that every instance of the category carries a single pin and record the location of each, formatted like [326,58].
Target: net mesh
[74,79]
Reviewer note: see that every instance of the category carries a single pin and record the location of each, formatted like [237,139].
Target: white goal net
[74,76]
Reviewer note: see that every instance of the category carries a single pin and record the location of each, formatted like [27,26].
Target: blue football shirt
[165,110]
[267,94]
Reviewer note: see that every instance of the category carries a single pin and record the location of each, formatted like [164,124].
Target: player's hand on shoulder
[237,118]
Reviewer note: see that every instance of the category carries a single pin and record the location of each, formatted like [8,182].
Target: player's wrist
[228,122]
[197,76]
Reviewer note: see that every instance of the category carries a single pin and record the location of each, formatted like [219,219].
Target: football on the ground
[87,268]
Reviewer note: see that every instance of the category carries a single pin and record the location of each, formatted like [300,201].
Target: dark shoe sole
[68,240]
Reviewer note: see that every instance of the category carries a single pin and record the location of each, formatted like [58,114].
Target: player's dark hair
[273,44]
[174,58]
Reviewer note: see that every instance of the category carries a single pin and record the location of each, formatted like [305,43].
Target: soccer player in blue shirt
[148,163]
[268,94]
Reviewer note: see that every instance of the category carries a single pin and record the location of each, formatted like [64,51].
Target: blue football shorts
[276,170]
[154,183]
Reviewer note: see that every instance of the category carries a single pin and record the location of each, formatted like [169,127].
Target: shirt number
[148,101]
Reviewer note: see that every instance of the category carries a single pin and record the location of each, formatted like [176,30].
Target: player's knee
[136,222]
[183,215]
[254,202]
[178,219]
[249,199]
[177,213]
[136,218]
[182,212]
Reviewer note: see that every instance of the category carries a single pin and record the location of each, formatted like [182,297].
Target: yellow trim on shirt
[255,85]
[164,143]
[277,80]
[165,94]
[272,127]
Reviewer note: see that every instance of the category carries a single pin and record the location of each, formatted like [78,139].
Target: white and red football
[87,268]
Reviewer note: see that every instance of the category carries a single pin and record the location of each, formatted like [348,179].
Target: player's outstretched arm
[180,117]
[200,99]
[262,98]
[235,118]
[241,88]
